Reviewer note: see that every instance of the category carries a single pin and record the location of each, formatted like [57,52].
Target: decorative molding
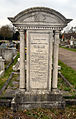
[39,17]
[20,28]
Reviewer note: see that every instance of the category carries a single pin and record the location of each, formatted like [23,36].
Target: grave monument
[39,28]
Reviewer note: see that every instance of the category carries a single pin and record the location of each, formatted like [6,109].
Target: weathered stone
[31,100]
[2,61]
[16,67]
[39,62]
[40,28]
[8,53]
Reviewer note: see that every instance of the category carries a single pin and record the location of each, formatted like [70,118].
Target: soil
[67,113]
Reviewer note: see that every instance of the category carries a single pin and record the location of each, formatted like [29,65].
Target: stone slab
[38,61]
[30,101]
[39,45]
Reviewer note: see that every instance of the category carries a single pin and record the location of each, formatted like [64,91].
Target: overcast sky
[10,8]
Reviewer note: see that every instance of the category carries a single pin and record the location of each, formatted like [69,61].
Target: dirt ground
[68,57]
[67,113]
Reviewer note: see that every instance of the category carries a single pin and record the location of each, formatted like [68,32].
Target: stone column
[55,61]
[50,58]
[22,61]
[2,66]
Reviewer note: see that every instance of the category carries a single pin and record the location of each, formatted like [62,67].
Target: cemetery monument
[39,28]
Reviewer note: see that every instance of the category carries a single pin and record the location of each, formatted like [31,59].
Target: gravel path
[68,57]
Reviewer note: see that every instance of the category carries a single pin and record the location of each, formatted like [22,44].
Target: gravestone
[39,60]
[2,63]
[8,53]
[2,66]
[39,28]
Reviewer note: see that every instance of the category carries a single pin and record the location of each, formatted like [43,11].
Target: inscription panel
[39,53]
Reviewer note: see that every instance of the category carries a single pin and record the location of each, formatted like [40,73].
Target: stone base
[30,100]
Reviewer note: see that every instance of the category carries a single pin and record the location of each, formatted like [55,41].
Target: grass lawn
[7,72]
[66,90]
[62,85]
[68,73]
[71,49]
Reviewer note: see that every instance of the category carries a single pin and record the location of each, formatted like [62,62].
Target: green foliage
[67,88]
[40,113]
[62,85]
[68,73]
[67,113]
[8,72]
[70,49]
[16,36]
[6,32]
[14,78]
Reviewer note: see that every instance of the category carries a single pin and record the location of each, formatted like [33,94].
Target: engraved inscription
[39,60]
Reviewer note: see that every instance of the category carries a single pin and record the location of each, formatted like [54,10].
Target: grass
[51,113]
[68,73]
[67,91]
[62,85]
[14,78]
[67,113]
[8,72]
[11,86]
[71,49]
[6,64]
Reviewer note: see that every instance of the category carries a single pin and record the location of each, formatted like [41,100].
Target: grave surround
[38,88]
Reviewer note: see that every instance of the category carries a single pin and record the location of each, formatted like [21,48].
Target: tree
[6,32]
[16,36]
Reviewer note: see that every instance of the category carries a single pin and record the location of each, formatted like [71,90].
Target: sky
[10,8]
